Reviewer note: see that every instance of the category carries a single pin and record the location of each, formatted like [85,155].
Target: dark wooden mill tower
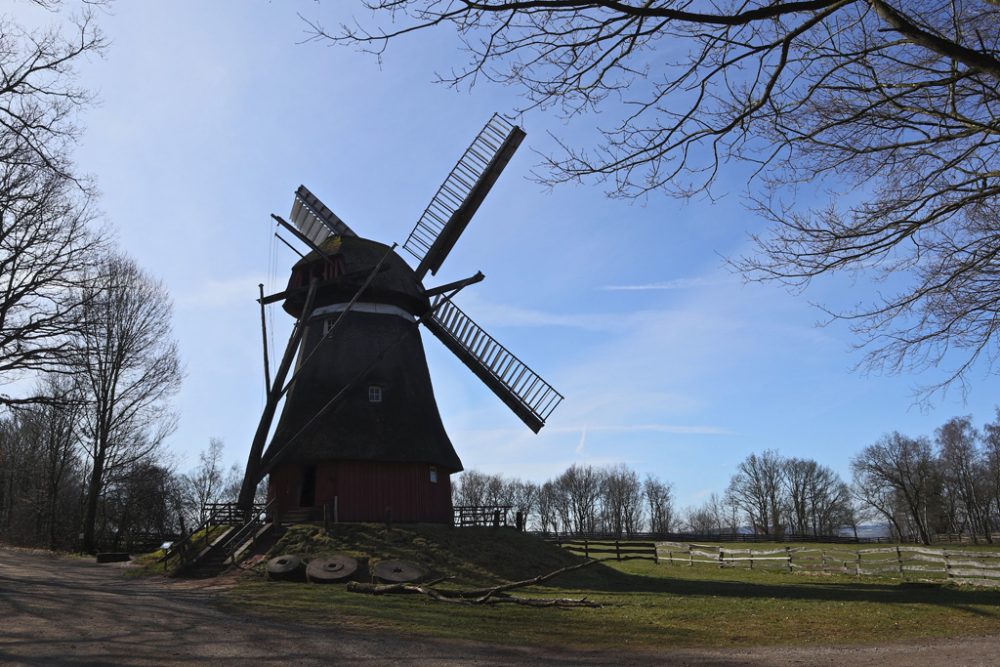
[360,429]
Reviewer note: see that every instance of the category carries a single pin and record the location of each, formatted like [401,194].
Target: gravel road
[59,611]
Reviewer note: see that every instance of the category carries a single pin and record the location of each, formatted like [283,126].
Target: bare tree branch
[891,108]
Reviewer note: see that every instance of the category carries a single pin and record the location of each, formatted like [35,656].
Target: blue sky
[211,114]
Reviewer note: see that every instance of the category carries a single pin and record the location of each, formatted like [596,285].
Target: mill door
[307,488]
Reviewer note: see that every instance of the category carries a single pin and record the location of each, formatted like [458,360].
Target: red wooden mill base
[363,491]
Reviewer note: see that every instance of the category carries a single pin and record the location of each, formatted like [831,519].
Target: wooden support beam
[253,475]
[290,246]
[302,237]
[458,284]
[263,333]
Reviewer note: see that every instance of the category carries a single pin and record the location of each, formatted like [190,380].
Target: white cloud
[583,440]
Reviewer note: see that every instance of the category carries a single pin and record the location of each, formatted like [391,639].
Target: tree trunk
[93,494]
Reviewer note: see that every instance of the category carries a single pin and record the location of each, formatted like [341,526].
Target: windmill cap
[347,265]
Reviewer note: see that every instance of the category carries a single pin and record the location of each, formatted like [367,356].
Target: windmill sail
[314,219]
[458,198]
[528,395]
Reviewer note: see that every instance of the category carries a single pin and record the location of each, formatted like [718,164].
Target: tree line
[87,358]
[919,487]
[47,477]
[583,499]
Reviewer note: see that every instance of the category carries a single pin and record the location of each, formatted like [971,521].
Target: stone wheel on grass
[330,569]
[399,571]
[286,567]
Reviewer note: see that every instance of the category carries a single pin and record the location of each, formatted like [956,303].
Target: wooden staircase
[200,559]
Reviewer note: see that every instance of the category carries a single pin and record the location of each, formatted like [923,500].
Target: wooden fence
[717,537]
[616,549]
[902,561]
[481,515]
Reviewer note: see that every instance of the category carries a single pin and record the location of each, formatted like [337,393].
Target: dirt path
[65,611]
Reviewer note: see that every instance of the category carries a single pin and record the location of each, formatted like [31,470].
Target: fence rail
[902,561]
[481,515]
[717,537]
[620,549]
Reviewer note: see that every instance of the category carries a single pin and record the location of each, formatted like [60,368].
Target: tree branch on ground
[492,595]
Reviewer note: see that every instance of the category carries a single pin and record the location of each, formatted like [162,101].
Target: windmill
[359,428]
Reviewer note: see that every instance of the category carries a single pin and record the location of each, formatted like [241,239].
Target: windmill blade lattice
[314,219]
[458,198]
[524,391]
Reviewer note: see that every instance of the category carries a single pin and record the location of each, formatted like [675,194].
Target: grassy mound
[646,605]
[469,556]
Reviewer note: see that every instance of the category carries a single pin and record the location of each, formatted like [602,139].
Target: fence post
[722,558]
[656,553]
[947,563]
[618,550]
[690,556]
[857,565]
[586,548]
[750,553]
[788,553]
[899,561]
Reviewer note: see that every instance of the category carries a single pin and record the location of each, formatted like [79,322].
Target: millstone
[399,571]
[286,567]
[329,569]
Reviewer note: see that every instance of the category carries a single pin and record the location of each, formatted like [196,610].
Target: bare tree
[621,500]
[709,517]
[204,484]
[963,473]
[581,486]
[991,455]
[891,104]
[660,501]
[757,489]
[59,427]
[818,500]
[470,488]
[906,466]
[548,508]
[128,366]
[46,244]
[39,486]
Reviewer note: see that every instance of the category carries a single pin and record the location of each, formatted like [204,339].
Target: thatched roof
[405,426]
[353,258]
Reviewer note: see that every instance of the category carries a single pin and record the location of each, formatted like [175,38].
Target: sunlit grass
[645,605]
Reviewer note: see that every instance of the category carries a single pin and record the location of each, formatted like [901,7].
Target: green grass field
[645,605]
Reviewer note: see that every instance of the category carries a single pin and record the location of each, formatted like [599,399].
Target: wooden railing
[481,515]
[187,549]
[902,561]
[610,549]
[248,531]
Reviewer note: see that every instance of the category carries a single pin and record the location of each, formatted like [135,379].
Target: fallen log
[494,594]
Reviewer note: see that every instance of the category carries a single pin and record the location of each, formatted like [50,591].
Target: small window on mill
[374,394]
[434,474]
